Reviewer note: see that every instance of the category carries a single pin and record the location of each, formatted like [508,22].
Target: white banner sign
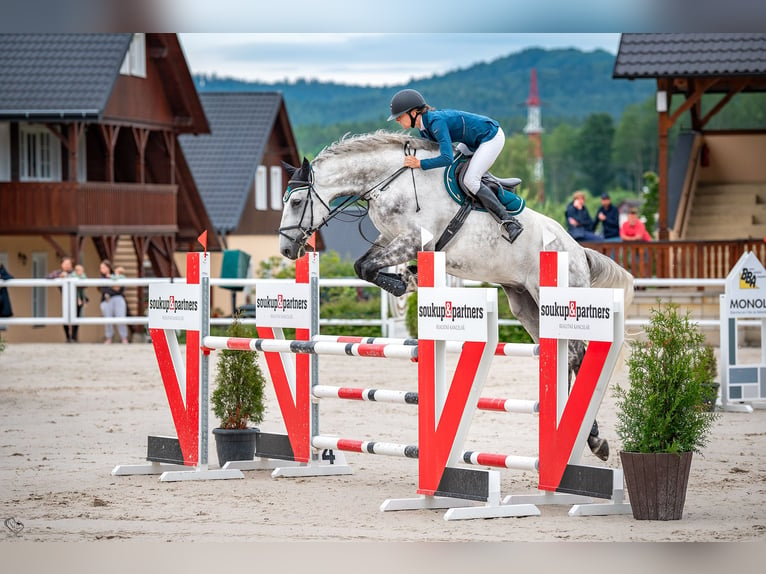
[175,306]
[577,313]
[286,305]
[454,314]
[746,288]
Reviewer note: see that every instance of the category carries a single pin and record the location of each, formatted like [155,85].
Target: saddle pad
[513,203]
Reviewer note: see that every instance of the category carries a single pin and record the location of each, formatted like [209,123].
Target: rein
[370,194]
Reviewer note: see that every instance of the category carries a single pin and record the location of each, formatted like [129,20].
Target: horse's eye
[295,202]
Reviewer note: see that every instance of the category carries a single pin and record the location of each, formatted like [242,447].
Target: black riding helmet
[405,101]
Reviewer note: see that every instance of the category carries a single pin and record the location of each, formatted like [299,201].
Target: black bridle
[293,185]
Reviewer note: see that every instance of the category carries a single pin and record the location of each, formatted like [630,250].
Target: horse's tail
[604,272]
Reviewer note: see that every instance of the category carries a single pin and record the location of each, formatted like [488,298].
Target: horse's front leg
[402,249]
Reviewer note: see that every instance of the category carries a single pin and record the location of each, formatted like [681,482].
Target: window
[275,187]
[134,63]
[39,154]
[5,151]
[261,198]
[39,294]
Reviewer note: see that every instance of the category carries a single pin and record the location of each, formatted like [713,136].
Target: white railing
[386,323]
[68,293]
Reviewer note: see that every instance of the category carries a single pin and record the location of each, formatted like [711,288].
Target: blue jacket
[452,126]
[582,217]
[611,225]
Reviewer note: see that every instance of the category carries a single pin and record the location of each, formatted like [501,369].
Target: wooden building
[238,171]
[90,164]
[715,185]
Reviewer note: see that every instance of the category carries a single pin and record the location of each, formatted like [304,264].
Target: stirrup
[512,234]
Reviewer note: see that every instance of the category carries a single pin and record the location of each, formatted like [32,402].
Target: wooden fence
[680,259]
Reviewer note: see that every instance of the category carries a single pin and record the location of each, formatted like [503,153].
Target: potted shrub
[661,417]
[237,400]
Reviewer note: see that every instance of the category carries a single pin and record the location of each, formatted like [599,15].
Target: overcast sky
[375,59]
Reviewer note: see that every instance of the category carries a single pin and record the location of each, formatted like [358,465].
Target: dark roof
[224,162]
[690,55]
[55,76]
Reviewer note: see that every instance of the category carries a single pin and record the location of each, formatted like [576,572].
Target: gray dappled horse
[400,204]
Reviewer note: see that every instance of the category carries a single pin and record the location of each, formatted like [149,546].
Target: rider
[479,135]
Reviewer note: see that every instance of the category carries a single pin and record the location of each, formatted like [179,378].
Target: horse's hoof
[599,447]
[391,283]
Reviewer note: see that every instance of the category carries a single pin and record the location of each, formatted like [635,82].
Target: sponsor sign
[585,314]
[454,314]
[746,288]
[286,305]
[175,306]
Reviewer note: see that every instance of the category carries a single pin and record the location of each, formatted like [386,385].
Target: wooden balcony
[680,259]
[91,208]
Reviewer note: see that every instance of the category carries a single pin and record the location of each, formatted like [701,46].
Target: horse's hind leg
[526,310]
[598,446]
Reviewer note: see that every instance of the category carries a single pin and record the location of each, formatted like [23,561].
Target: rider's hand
[411,161]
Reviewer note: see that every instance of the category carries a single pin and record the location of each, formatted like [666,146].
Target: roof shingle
[58,75]
[223,163]
[672,55]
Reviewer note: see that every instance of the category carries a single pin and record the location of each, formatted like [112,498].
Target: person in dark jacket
[579,222]
[476,135]
[5,298]
[609,218]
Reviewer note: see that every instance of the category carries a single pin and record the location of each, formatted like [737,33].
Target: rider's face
[404,121]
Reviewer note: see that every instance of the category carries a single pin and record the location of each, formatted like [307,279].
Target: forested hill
[572,84]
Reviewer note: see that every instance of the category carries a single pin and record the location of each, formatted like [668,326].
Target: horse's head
[298,211]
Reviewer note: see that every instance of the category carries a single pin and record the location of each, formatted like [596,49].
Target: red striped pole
[502,349]
[411,398]
[412,451]
[313,347]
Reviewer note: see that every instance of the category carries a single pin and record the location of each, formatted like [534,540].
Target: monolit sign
[746,288]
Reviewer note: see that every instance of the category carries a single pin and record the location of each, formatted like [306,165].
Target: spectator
[82,298]
[63,272]
[113,302]
[5,299]
[609,218]
[633,229]
[579,221]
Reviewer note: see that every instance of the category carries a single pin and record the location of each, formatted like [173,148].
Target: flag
[203,240]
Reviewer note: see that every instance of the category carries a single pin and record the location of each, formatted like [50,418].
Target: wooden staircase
[728,211]
[125,256]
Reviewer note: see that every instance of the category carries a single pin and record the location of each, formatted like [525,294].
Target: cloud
[363,59]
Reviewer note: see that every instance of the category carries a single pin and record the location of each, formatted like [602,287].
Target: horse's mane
[368,142]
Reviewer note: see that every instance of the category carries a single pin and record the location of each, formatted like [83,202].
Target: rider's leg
[483,158]
[491,203]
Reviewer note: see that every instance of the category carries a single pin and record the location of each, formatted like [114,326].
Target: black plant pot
[656,483]
[235,444]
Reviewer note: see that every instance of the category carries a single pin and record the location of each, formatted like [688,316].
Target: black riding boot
[491,203]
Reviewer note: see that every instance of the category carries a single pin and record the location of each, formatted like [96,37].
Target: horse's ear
[289,168]
[304,173]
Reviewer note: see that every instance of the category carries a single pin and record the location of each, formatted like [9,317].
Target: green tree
[560,164]
[594,151]
[634,150]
